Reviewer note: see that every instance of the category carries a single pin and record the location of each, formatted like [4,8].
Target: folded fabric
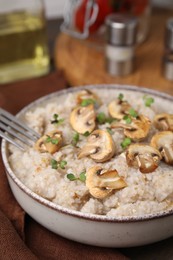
[21,237]
[12,246]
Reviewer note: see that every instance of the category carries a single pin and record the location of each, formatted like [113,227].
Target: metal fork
[12,129]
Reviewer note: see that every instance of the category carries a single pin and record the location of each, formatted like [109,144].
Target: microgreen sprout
[110,120]
[75,139]
[87,133]
[148,100]
[72,177]
[133,113]
[86,102]
[127,119]
[56,120]
[120,97]
[126,142]
[55,164]
[82,176]
[62,164]
[52,140]
[102,118]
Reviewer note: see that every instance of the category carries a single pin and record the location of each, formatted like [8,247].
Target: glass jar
[83,18]
[23,43]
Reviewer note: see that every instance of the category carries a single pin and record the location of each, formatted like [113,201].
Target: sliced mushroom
[100,146]
[88,94]
[143,157]
[118,108]
[163,141]
[137,130]
[82,119]
[101,183]
[164,122]
[50,142]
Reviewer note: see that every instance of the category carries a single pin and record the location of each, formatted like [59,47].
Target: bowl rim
[59,208]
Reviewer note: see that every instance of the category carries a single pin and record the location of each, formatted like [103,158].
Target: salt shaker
[121,31]
[168,56]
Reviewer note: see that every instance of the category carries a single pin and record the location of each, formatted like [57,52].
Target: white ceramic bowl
[87,228]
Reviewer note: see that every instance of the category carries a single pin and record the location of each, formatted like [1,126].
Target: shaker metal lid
[121,29]
[169,34]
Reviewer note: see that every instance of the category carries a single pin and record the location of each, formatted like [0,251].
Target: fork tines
[13,127]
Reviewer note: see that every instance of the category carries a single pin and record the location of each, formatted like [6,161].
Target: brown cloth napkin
[20,236]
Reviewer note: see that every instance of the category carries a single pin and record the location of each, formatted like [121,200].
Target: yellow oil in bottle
[23,46]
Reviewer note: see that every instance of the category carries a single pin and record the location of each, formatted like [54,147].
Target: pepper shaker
[168,56]
[121,31]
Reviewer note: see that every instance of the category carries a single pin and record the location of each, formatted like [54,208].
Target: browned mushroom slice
[87,94]
[118,108]
[82,119]
[163,141]
[100,146]
[137,130]
[143,157]
[101,183]
[164,121]
[50,142]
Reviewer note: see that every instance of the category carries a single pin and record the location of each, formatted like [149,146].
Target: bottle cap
[121,29]
[169,34]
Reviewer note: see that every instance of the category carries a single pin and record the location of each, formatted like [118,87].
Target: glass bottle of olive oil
[23,46]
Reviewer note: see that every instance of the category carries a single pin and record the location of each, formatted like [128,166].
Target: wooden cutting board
[83,61]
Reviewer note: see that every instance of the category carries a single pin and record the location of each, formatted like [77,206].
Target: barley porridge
[101,152]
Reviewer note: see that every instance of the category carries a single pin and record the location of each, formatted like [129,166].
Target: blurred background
[39,36]
[54,8]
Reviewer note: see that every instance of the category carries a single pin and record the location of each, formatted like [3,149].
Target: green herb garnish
[126,142]
[54,164]
[75,139]
[86,102]
[48,140]
[127,119]
[72,177]
[121,96]
[82,176]
[148,100]
[62,164]
[52,140]
[55,141]
[110,120]
[87,133]
[102,118]
[133,113]
[56,120]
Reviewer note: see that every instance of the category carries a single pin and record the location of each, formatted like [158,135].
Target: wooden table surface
[83,62]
